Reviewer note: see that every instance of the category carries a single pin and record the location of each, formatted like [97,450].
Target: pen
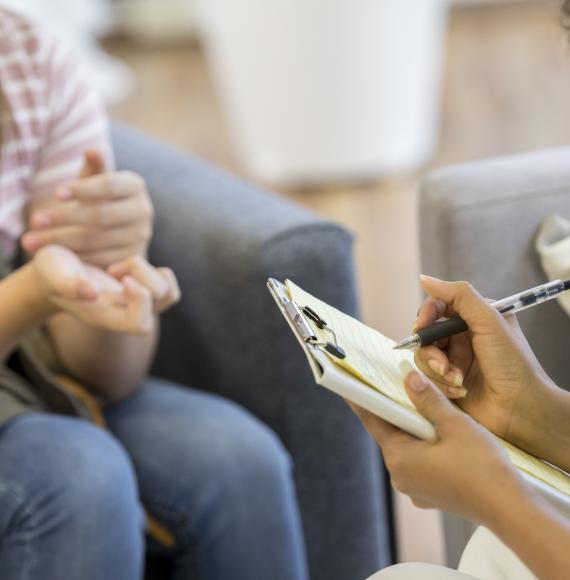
[510,305]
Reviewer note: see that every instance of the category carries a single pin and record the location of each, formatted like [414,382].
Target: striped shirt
[48,117]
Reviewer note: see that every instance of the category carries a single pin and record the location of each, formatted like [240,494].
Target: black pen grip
[443,329]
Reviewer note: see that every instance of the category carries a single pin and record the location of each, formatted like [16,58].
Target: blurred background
[340,105]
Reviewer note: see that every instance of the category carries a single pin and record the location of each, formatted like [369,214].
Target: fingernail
[414,328]
[429,278]
[455,377]
[41,219]
[436,366]
[31,242]
[417,382]
[64,193]
[458,392]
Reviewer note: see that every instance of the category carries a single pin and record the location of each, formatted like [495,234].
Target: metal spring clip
[331,347]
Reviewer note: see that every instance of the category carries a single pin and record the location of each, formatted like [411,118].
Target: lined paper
[371,358]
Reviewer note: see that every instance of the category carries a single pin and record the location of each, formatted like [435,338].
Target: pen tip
[408,343]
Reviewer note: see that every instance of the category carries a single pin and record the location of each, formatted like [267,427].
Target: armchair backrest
[478,223]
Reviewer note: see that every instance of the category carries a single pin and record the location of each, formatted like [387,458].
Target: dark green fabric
[16,395]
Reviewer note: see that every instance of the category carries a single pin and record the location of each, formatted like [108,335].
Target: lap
[486,556]
[419,571]
[188,447]
[37,443]
[190,451]
[168,422]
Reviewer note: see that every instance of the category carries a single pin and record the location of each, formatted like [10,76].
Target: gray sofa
[223,238]
[478,223]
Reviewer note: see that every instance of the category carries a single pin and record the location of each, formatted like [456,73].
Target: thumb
[427,398]
[139,304]
[93,163]
[461,298]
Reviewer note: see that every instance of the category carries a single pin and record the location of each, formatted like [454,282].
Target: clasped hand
[89,243]
[123,299]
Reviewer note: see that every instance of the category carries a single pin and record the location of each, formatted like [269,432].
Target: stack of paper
[371,358]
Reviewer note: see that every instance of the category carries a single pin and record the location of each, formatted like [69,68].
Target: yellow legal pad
[371,358]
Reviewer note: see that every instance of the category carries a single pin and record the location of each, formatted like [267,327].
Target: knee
[264,455]
[92,470]
[76,469]
[100,474]
[248,454]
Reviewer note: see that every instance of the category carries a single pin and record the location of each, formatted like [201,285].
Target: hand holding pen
[491,370]
[510,305]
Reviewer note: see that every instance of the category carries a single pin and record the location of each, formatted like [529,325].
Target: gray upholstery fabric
[224,238]
[478,222]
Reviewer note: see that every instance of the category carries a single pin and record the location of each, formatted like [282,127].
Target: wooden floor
[506,90]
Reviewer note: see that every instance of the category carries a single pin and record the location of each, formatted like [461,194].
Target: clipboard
[336,379]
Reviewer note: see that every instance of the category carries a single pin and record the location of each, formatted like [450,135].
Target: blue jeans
[70,494]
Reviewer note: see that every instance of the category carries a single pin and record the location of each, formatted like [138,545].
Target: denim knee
[243,455]
[71,473]
[263,453]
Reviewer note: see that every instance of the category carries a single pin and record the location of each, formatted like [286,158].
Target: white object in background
[329,89]
[158,21]
[553,246]
[80,23]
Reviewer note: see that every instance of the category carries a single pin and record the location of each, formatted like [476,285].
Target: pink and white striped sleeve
[77,122]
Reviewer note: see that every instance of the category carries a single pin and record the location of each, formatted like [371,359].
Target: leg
[218,478]
[68,503]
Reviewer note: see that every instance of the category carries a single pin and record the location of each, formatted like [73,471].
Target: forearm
[111,365]
[23,307]
[535,532]
[543,427]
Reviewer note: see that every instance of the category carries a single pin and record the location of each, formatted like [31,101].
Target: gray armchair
[478,223]
[223,238]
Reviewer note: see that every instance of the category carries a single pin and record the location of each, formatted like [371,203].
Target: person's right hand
[103,216]
[490,370]
[91,295]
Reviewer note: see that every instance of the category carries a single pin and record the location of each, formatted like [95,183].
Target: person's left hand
[102,217]
[160,282]
[463,470]
[91,295]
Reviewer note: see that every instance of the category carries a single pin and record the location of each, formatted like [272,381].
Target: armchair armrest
[478,222]
[224,238]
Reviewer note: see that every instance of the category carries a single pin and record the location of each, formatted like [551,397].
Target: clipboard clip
[297,317]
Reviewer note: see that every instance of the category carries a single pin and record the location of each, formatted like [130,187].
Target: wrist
[534,416]
[551,437]
[536,532]
[22,307]
[508,499]
[34,295]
